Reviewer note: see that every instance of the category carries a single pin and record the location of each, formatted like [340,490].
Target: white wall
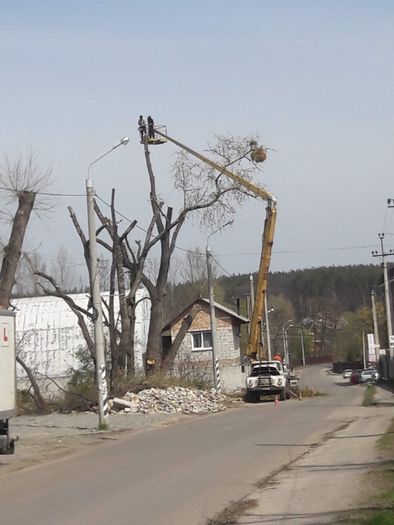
[48,336]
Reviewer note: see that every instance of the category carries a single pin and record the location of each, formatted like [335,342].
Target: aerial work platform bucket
[157,139]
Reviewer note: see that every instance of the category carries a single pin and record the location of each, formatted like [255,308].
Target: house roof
[182,314]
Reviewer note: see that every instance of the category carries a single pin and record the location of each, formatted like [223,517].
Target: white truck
[266,378]
[7,379]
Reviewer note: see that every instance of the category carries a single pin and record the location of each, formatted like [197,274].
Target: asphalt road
[177,474]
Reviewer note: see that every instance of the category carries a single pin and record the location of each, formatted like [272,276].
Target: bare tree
[63,269]
[25,282]
[194,268]
[21,181]
[206,193]
[210,196]
[124,280]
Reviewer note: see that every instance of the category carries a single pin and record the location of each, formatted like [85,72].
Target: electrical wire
[220,266]
[242,254]
[48,194]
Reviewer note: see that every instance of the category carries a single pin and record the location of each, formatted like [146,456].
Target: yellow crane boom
[254,349]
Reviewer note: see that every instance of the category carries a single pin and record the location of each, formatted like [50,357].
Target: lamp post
[284,336]
[96,298]
[302,345]
[215,363]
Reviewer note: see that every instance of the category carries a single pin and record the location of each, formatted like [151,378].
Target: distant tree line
[330,305]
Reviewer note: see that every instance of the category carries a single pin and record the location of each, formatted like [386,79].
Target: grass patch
[386,442]
[369,396]
[230,514]
[369,517]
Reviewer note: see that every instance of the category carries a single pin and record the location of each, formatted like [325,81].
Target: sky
[315,79]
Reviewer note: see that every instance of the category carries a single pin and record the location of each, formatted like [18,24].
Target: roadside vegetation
[369,395]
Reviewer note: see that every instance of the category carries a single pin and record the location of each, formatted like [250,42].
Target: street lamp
[302,345]
[96,298]
[285,345]
[215,363]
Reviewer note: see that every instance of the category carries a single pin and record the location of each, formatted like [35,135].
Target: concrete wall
[49,338]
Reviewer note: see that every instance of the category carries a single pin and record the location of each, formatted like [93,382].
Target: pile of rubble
[172,400]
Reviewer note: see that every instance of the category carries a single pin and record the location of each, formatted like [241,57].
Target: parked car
[355,377]
[347,373]
[368,375]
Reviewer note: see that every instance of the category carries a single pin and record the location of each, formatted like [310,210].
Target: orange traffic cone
[276,400]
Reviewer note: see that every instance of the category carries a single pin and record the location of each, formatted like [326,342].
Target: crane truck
[7,379]
[259,371]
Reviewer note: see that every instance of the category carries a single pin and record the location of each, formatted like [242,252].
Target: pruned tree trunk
[12,251]
[186,323]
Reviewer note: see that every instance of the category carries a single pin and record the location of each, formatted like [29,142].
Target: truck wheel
[283,394]
[250,396]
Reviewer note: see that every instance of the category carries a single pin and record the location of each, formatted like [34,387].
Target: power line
[46,193]
[220,266]
[185,250]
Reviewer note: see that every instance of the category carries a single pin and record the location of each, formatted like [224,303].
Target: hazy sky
[314,78]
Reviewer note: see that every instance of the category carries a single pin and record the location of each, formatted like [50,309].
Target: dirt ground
[41,438]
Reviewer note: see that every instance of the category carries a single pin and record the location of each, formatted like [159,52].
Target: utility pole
[302,345]
[375,326]
[387,298]
[98,312]
[267,326]
[251,292]
[99,341]
[285,340]
[215,362]
[248,308]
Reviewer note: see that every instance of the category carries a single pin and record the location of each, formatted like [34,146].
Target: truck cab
[266,378]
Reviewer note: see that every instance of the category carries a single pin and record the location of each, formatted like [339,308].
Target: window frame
[201,348]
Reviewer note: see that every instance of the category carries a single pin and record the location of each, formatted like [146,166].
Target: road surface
[177,474]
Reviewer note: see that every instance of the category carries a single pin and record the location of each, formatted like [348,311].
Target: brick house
[196,347]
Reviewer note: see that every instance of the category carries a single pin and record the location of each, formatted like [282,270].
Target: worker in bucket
[151,131]
[142,128]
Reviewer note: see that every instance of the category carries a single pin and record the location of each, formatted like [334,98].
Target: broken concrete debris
[172,400]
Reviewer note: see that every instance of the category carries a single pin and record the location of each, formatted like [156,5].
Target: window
[201,341]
